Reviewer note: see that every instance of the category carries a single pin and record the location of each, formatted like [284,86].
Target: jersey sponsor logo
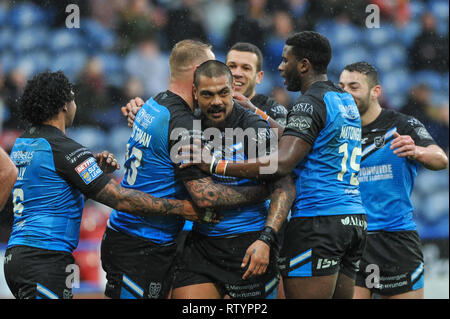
[349,111]
[303,107]
[299,123]
[324,263]
[423,133]
[414,122]
[280,110]
[88,170]
[375,173]
[354,221]
[73,156]
[145,119]
[22,157]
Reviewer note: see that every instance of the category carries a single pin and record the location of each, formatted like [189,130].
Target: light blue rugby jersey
[150,169]
[386,181]
[54,173]
[326,180]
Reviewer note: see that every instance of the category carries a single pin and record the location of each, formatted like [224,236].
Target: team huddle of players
[292,219]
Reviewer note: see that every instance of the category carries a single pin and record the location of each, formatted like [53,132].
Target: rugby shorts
[218,259]
[35,273]
[392,263]
[323,245]
[136,268]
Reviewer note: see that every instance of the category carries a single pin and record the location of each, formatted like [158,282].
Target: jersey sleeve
[78,166]
[306,119]
[271,107]
[183,129]
[411,126]
[263,141]
[277,111]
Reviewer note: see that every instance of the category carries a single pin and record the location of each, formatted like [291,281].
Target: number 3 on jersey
[135,158]
[353,164]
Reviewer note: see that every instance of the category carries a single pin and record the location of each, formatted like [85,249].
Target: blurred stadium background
[120,51]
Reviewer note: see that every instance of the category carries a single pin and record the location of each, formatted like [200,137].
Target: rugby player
[55,174]
[238,257]
[245,61]
[394,146]
[138,254]
[321,145]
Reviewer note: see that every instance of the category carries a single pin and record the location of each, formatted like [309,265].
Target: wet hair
[312,46]
[248,47]
[367,69]
[186,54]
[212,69]
[44,97]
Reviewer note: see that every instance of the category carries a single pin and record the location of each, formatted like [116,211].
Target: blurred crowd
[120,49]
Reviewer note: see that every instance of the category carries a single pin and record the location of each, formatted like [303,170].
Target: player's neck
[308,81]
[58,122]
[184,90]
[371,115]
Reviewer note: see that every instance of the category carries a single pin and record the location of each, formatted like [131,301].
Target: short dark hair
[249,47]
[367,69]
[212,68]
[44,96]
[312,46]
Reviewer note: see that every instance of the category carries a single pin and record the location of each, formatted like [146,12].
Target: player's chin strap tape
[269,236]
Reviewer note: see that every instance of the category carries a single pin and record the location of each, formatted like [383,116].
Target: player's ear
[259,76]
[303,65]
[194,91]
[376,91]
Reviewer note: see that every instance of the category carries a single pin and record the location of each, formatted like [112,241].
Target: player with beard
[400,143]
[219,261]
[245,61]
[321,145]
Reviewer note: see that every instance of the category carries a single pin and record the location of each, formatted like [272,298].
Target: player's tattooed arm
[142,204]
[282,196]
[207,194]
[257,255]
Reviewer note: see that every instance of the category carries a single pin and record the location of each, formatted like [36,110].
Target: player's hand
[244,101]
[404,146]
[258,254]
[131,109]
[195,154]
[193,213]
[107,162]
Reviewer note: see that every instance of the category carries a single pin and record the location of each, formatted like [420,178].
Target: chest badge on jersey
[379,141]
[88,170]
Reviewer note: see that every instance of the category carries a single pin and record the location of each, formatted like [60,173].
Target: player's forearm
[8,176]
[207,194]
[432,157]
[137,202]
[281,199]
[266,168]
